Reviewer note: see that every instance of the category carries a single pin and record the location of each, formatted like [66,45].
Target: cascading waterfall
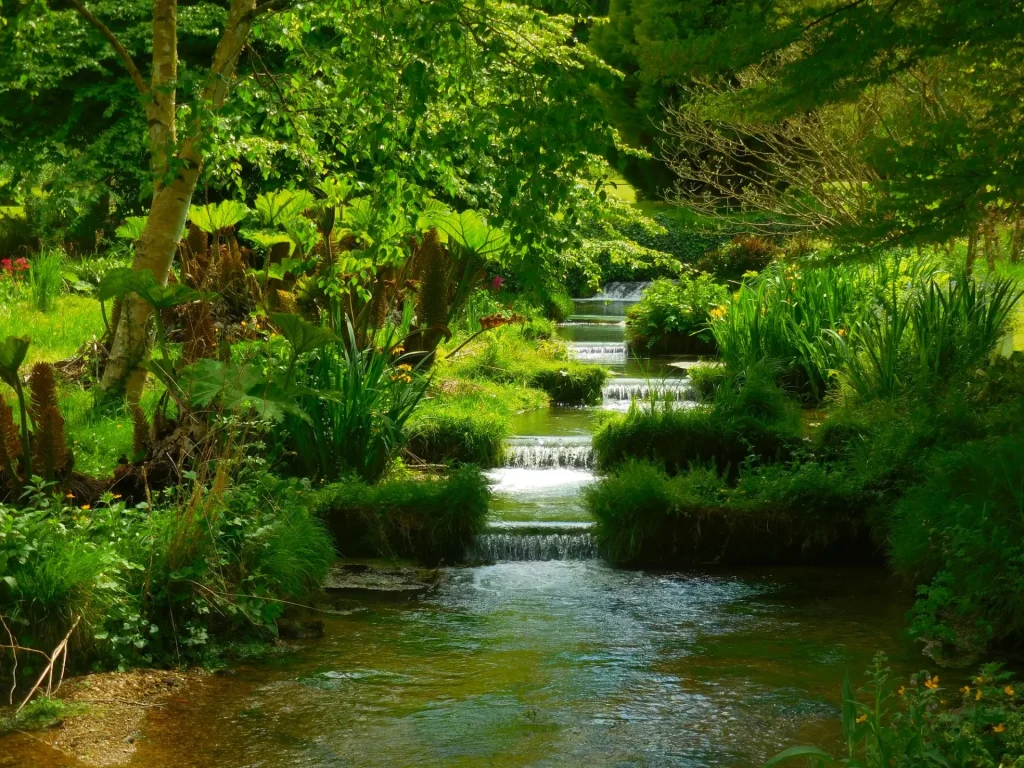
[642,389]
[599,352]
[624,291]
[550,454]
[533,541]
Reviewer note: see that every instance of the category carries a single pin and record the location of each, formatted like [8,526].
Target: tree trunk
[172,195]
[1017,240]
[972,250]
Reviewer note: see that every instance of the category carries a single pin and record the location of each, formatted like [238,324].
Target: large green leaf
[120,281]
[132,228]
[281,207]
[301,334]
[470,231]
[217,216]
[12,354]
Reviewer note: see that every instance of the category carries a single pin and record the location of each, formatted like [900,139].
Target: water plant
[673,316]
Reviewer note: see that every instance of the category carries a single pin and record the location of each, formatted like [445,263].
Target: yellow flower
[404,367]
[965,690]
[1008,690]
[901,690]
[86,506]
[718,312]
[998,728]
[69,495]
[979,680]
[116,496]
[397,350]
[977,696]
[862,719]
[932,683]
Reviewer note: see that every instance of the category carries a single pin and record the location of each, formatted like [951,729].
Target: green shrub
[430,519]
[571,383]
[673,317]
[961,534]
[459,431]
[46,279]
[157,585]
[776,514]
[923,723]
[741,255]
[748,417]
[517,355]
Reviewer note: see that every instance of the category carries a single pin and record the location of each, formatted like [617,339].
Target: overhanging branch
[122,52]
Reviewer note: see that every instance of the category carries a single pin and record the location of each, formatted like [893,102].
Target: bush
[571,383]
[517,355]
[961,534]
[459,432]
[354,416]
[673,317]
[776,514]
[748,417]
[429,519]
[742,254]
[157,585]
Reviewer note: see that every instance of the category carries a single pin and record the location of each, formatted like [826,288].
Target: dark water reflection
[553,664]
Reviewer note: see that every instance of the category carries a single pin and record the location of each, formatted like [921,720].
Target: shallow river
[535,661]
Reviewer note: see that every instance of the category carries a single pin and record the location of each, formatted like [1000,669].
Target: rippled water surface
[551,664]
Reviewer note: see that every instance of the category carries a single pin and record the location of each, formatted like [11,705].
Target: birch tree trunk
[175,168]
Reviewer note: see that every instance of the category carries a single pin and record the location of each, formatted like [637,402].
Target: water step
[533,541]
[628,388]
[608,351]
[624,291]
[549,453]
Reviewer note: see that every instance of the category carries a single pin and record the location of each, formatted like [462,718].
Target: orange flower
[998,728]
[86,506]
[862,719]
[932,683]
[1008,690]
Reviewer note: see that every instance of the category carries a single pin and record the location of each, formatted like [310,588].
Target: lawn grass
[57,334]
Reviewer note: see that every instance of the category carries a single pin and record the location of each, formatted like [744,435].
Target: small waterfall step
[599,352]
[543,452]
[624,291]
[535,541]
[626,388]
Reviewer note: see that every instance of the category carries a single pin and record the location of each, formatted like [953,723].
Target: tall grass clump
[460,430]
[46,279]
[354,413]
[926,335]
[785,315]
[430,519]
[748,416]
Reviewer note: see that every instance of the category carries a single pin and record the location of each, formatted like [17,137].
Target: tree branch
[126,58]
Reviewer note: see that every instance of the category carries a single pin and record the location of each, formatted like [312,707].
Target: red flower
[496,283]
[5,265]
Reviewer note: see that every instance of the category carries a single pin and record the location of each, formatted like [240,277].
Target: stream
[549,656]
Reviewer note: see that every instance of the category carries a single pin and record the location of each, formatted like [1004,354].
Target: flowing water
[547,656]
